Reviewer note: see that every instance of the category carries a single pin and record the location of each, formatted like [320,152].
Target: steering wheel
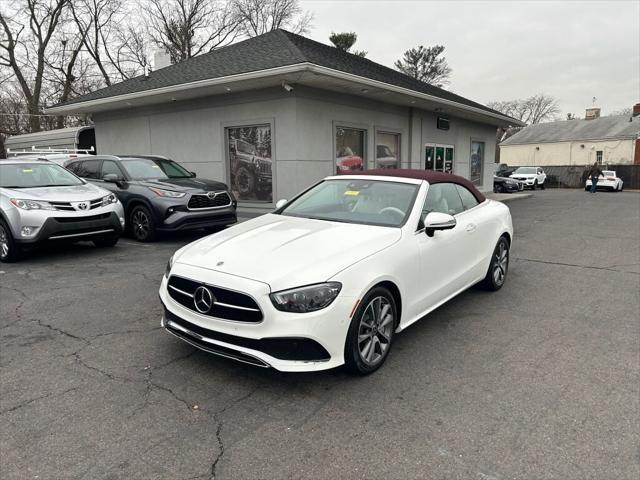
[394,210]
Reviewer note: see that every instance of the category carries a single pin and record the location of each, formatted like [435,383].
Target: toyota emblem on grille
[83,206]
[212,195]
[203,299]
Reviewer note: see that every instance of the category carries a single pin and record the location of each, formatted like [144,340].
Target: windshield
[369,202]
[32,175]
[526,170]
[384,151]
[147,168]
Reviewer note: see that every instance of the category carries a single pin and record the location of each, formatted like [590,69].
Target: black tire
[622,187]
[499,260]
[9,250]
[142,226]
[535,185]
[106,241]
[245,182]
[542,187]
[383,328]
[586,189]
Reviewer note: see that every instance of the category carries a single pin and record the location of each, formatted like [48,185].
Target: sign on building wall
[249,157]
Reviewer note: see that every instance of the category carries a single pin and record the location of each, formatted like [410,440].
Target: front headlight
[167,269]
[109,199]
[31,204]
[306,299]
[166,193]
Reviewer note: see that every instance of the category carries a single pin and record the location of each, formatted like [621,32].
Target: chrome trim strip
[57,237]
[180,291]
[168,325]
[237,307]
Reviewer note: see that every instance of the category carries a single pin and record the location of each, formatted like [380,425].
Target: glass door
[438,157]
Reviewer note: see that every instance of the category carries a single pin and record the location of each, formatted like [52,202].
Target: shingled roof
[603,128]
[278,48]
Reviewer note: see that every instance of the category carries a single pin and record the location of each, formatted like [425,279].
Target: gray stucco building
[275,113]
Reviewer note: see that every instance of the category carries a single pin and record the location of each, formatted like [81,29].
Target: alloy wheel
[4,242]
[375,331]
[500,263]
[140,223]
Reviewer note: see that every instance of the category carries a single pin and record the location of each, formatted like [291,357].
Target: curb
[509,197]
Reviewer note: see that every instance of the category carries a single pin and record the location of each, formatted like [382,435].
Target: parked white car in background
[331,276]
[532,177]
[608,180]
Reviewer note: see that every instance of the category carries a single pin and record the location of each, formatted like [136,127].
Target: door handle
[471,227]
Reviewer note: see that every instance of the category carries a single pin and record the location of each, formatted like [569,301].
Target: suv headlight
[109,199]
[306,299]
[31,204]
[166,193]
[167,269]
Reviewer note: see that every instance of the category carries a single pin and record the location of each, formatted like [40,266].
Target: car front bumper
[194,219]
[60,225]
[288,342]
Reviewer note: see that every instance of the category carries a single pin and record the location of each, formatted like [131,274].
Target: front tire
[9,250]
[143,227]
[499,266]
[245,182]
[371,332]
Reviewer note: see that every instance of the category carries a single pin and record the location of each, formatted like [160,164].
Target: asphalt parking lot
[539,380]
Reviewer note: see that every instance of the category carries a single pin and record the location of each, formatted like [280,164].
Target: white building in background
[606,140]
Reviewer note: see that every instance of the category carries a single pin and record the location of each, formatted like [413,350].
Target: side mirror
[280,203]
[193,174]
[438,221]
[112,178]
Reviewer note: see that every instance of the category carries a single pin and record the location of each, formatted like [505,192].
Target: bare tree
[261,16]
[24,47]
[186,28]
[535,109]
[426,64]
[344,41]
[622,111]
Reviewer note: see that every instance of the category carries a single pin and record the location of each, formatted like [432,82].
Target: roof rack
[49,150]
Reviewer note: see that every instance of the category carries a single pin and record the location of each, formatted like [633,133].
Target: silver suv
[42,201]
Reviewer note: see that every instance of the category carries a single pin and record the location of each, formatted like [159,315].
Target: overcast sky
[501,50]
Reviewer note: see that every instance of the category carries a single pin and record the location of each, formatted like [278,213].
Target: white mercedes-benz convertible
[330,277]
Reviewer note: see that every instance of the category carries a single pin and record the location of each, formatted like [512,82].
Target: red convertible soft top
[428,175]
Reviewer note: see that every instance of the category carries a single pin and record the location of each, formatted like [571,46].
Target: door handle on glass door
[471,227]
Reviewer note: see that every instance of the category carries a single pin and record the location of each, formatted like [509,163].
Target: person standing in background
[594,173]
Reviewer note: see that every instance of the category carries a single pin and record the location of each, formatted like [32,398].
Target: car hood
[184,184]
[287,252]
[524,175]
[74,193]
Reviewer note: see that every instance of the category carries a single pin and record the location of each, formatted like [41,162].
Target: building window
[599,156]
[249,162]
[387,150]
[476,162]
[350,144]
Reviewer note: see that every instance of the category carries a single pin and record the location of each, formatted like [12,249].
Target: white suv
[532,177]
[42,201]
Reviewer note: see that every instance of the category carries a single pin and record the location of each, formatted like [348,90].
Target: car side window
[468,199]
[88,169]
[443,198]
[109,166]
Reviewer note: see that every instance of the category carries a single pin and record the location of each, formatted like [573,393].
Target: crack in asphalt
[16,310]
[591,267]
[33,400]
